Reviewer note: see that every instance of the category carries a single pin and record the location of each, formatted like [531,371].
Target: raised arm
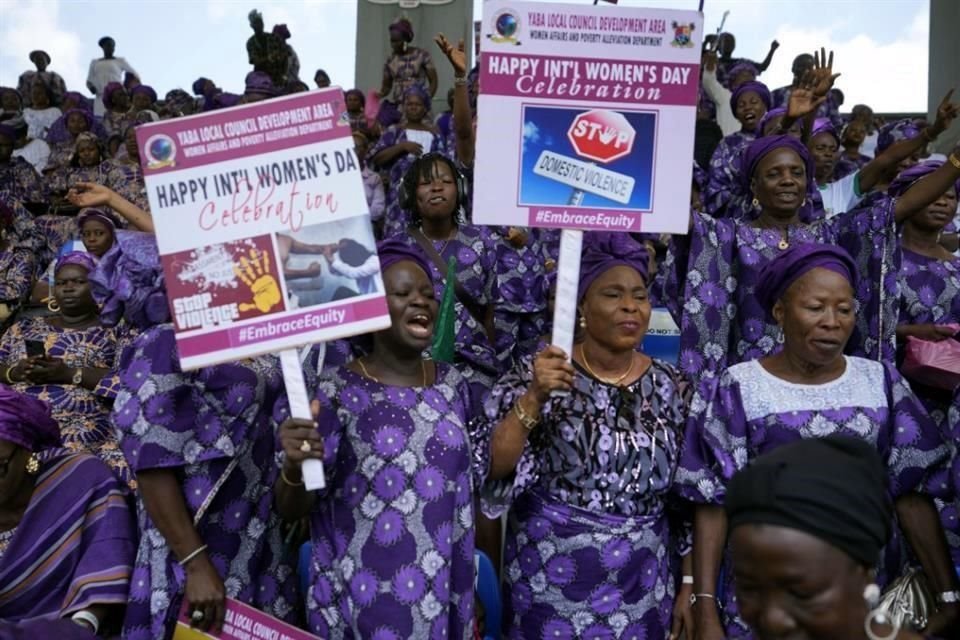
[926,190]
[91,194]
[873,171]
[766,61]
[462,114]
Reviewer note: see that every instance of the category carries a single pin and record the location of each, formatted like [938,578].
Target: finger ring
[305,446]
[196,616]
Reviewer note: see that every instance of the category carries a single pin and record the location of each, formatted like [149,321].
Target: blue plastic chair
[488,591]
[303,568]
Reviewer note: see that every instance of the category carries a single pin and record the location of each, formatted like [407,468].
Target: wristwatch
[78,376]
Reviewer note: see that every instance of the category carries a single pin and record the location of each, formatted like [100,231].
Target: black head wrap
[833,488]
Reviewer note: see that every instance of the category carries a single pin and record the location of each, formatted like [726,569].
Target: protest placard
[263,227]
[586,116]
[241,622]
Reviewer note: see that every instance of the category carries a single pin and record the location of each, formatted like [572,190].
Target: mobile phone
[35,348]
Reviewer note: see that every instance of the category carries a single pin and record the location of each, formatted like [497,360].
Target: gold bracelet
[954,160]
[526,421]
[8,377]
[286,481]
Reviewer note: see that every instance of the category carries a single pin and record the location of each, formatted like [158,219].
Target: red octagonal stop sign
[601,135]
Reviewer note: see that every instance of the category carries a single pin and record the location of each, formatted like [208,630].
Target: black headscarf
[833,488]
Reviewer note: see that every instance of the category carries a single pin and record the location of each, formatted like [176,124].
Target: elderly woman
[585,475]
[43,111]
[201,446]
[749,102]
[803,543]
[17,176]
[406,68]
[64,360]
[434,197]
[19,243]
[118,115]
[67,536]
[714,270]
[811,389]
[124,175]
[398,150]
[394,432]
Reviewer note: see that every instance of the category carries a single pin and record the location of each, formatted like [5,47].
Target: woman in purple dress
[710,274]
[407,67]
[811,390]
[398,149]
[124,175]
[586,476]
[749,103]
[393,539]
[851,138]
[72,367]
[67,537]
[19,243]
[433,191]
[804,542]
[202,447]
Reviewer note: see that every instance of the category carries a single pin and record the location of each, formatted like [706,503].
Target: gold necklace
[423,368]
[443,247]
[583,356]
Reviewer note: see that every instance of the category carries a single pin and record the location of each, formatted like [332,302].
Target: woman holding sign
[392,533]
[586,476]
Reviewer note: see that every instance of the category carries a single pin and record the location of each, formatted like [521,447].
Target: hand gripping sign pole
[290,364]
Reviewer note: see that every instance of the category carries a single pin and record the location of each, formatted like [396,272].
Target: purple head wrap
[76,97]
[603,251]
[106,216]
[260,82]
[147,89]
[779,112]
[824,125]
[281,31]
[26,421]
[761,147]
[108,91]
[394,250]
[908,177]
[417,90]
[756,87]
[905,129]
[199,84]
[83,112]
[79,258]
[402,28]
[743,65]
[785,269]
[129,282]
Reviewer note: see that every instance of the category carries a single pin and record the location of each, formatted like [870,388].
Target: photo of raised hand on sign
[254,271]
[587,158]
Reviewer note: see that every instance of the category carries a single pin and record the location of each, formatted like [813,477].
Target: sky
[880,45]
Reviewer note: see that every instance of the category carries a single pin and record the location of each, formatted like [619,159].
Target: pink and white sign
[586,116]
[263,227]
[242,622]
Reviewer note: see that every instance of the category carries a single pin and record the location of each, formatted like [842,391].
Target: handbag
[908,601]
[934,364]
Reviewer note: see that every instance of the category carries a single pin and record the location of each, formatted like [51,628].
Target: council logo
[160,151]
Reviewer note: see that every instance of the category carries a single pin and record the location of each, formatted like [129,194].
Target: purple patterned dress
[392,534]
[17,271]
[847,165]
[83,414]
[590,550]
[476,255]
[212,427]
[749,411]
[520,316]
[950,512]
[397,220]
[930,290]
[710,275]
[20,179]
[723,184]
[126,178]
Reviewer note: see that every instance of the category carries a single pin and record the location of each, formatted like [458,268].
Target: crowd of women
[774,481]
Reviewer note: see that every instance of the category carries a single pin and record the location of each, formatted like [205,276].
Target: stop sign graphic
[601,135]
